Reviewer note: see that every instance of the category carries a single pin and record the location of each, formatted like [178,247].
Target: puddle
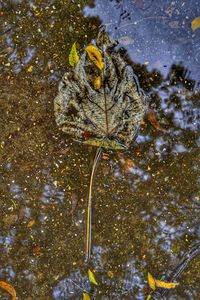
[146,199]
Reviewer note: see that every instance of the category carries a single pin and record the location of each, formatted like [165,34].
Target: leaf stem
[89,207]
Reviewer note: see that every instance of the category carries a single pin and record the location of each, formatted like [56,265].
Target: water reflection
[150,27]
[146,212]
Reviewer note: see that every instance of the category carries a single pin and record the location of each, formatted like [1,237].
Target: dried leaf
[9,288]
[151,282]
[154,283]
[153,120]
[111,118]
[37,251]
[166,285]
[86,296]
[92,277]
[105,156]
[129,163]
[195,23]
[31,223]
[73,56]
[97,83]
[30,69]
[95,56]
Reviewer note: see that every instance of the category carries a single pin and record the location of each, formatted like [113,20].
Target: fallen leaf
[97,83]
[195,23]
[148,297]
[37,251]
[31,223]
[105,156]
[151,282]
[86,296]
[9,288]
[129,163]
[95,56]
[153,120]
[166,285]
[30,69]
[154,283]
[73,56]
[92,277]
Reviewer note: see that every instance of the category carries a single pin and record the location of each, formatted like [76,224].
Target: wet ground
[146,200]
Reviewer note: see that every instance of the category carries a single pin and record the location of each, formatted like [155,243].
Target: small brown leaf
[37,251]
[105,156]
[129,163]
[95,55]
[153,120]
[195,23]
[9,288]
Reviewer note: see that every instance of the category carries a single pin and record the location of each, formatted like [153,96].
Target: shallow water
[146,200]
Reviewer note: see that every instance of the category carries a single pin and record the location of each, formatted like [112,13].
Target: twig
[78,285]
[89,207]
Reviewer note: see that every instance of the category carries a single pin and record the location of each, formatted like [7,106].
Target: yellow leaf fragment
[151,282]
[195,23]
[30,69]
[31,223]
[154,283]
[166,285]
[9,288]
[95,56]
[148,297]
[97,83]
[73,56]
[92,277]
[86,296]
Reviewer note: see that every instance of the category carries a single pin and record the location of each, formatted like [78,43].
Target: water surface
[146,199]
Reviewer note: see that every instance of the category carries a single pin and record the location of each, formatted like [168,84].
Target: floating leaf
[148,297]
[113,113]
[73,56]
[151,282]
[30,69]
[195,23]
[97,83]
[31,223]
[95,56]
[92,277]
[9,288]
[86,296]
[153,120]
[154,283]
[105,156]
[166,285]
